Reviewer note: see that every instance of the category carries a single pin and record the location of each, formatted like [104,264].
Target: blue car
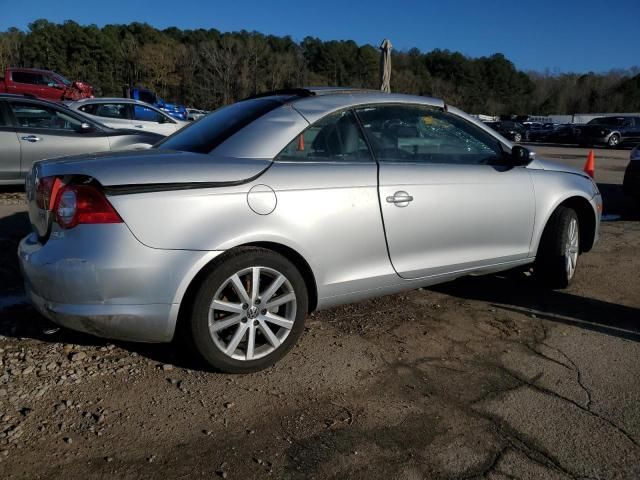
[146,95]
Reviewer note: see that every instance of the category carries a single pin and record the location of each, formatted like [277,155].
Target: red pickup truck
[43,84]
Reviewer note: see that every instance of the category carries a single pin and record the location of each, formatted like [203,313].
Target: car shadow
[519,293]
[12,229]
[12,188]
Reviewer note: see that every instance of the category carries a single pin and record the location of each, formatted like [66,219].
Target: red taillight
[75,204]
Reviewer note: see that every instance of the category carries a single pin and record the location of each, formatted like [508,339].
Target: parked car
[43,84]
[610,131]
[564,133]
[512,130]
[145,95]
[128,113]
[194,114]
[631,182]
[233,229]
[539,132]
[32,130]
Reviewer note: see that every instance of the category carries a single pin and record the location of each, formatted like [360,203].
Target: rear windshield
[207,133]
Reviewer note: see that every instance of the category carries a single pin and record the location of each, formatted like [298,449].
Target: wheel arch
[586,220]
[289,253]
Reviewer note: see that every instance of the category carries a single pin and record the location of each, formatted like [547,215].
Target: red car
[43,84]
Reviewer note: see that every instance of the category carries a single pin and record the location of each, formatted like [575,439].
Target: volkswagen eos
[233,229]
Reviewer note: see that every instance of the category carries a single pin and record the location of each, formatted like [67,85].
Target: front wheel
[559,248]
[517,137]
[614,141]
[249,311]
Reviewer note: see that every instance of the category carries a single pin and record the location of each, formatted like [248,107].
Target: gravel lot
[485,377]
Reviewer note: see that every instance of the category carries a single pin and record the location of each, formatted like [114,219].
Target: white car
[194,114]
[128,113]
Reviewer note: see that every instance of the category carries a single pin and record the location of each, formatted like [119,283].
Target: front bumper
[101,280]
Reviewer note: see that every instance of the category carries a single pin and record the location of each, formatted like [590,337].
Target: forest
[209,68]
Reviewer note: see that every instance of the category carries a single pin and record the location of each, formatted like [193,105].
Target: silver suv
[238,226]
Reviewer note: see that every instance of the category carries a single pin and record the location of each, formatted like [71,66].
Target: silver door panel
[54,145]
[460,216]
[9,155]
[327,213]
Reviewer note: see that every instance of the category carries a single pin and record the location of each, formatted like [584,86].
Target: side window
[146,114]
[90,109]
[26,77]
[111,110]
[416,134]
[32,115]
[335,138]
[48,81]
[146,96]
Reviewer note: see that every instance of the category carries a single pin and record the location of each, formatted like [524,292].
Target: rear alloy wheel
[517,137]
[249,311]
[614,140]
[559,248]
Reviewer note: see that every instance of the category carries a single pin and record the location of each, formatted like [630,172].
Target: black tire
[198,327]
[550,267]
[614,141]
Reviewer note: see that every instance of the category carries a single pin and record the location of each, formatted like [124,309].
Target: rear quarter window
[209,132]
[26,77]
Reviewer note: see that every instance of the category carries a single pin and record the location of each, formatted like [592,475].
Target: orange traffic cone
[590,166]
[300,143]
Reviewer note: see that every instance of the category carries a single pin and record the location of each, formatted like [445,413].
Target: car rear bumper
[136,323]
[101,280]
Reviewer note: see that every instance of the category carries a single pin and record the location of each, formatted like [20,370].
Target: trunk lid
[153,166]
[137,171]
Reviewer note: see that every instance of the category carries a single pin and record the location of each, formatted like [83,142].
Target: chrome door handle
[400,199]
[31,138]
[139,126]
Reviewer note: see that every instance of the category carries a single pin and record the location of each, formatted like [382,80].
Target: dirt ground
[485,377]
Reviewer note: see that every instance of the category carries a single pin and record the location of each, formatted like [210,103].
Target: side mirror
[86,128]
[521,155]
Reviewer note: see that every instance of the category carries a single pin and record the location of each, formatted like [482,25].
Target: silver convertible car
[233,229]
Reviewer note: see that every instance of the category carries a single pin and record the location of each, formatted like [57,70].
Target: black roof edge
[311,91]
[292,92]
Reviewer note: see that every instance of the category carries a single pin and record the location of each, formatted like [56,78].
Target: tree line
[209,68]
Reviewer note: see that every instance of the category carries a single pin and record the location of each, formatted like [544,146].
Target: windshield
[614,121]
[62,79]
[207,133]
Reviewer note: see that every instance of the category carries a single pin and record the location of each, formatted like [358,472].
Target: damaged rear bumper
[101,280]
